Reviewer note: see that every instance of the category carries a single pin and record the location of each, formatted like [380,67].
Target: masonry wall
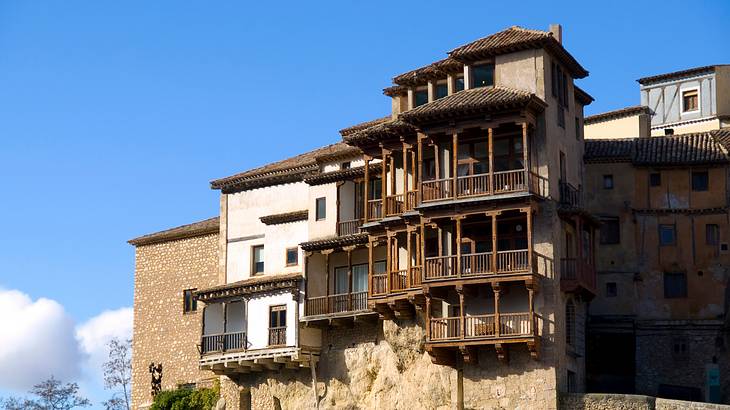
[162,332]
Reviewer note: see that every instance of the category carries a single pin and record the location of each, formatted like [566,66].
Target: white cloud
[95,334]
[37,340]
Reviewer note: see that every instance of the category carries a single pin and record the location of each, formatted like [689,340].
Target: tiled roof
[335,242]
[289,170]
[285,217]
[201,228]
[474,101]
[341,175]
[420,76]
[359,127]
[678,74]
[394,90]
[256,284]
[620,113]
[582,97]
[702,148]
[383,131]
[514,39]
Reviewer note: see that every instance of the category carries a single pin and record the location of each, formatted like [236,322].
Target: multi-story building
[448,242]
[658,325]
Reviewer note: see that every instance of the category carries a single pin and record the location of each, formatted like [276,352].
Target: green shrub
[187,399]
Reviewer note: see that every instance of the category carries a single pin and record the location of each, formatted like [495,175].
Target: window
[669,131]
[675,285]
[292,256]
[680,348]
[554,78]
[442,90]
[690,100]
[700,181]
[190,304]
[667,235]
[610,231]
[458,83]
[611,290]
[321,211]
[345,165]
[277,325]
[577,129]
[360,278]
[571,382]
[570,323]
[712,234]
[258,259]
[482,75]
[655,179]
[420,97]
[608,181]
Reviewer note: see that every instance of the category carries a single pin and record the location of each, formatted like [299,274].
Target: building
[447,242]
[658,325]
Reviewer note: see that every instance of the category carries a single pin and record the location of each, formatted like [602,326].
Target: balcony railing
[570,195]
[473,185]
[350,227]
[578,271]
[375,209]
[398,280]
[380,282]
[394,205]
[501,182]
[340,303]
[223,342]
[482,326]
[277,336]
[437,189]
[411,200]
[475,264]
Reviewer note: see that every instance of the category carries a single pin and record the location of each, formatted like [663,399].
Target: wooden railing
[393,205]
[375,209]
[440,267]
[398,280]
[411,200]
[569,195]
[380,284]
[340,303]
[479,326]
[573,269]
[509,181]
[445,328]
[437,189]
[473,185]
[416,276]
[349,227]
[277,336]
[222,342]
[476,263]
[513,261]
[515,324]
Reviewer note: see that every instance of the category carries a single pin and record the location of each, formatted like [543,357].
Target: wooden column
[422,248]
[405,175]
[460,291]
[420,167]
[366,188]
[393,191]
[414,172]
[490,146]
[428,316]
[497,290]
[530,295]
[494,241]
[388,262]
[349,279]
[455,160]
[409,282]
[383,184]
[525,157]
[225,317]
[327,277]
[370,266]
[458,246]
[529,239]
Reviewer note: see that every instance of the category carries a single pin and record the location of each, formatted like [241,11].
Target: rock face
[384,366]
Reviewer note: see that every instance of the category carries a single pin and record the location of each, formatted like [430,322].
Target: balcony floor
[444,351]
[338,319]
[275,358]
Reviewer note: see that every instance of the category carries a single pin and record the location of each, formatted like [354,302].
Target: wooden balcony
[482,327]
[577,275]
[398,281]
[349,227]
[223,342]
[336,304]
[375,209]
[439,268]
[570,196]
[489,184]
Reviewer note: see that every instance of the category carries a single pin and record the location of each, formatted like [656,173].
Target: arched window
[570,322]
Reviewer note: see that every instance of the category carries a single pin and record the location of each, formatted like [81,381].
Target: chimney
[557,31]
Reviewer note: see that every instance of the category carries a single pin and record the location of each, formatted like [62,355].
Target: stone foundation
[630,402]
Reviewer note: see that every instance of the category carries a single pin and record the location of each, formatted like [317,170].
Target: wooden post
[409,282]
[529,240]
[524,154]
[349,279]
[414,173]
[458,246]
[428,316]
[384,186]
[405,176]
[460,291]
[366,188]
[490,144]
[420,168]
[327,278]
[530,294]
[370,266]
[494,242]
[388,262]
[421,249]
[455,160]
[496,289]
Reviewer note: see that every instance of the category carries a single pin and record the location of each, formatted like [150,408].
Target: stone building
[441,256]
[658,325]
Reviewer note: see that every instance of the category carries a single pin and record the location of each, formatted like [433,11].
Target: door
[277,325]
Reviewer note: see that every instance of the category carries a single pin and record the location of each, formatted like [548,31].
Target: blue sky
[114,116]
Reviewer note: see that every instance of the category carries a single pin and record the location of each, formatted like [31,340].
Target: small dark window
[680,348]
[577,129]
[292,256]
[321,212]
[675,285]
[482,75]
[724,247]
[420,98]
[459,83]
[554,78]
[608,181]
[570,322]
[258,259]
[667,235]
[700,181]
[610,231]
[669,131]
[655,179]
[611,290]
[345,165]
[571,382]
[712,234]
[190,304]
[690,100]
[442,90]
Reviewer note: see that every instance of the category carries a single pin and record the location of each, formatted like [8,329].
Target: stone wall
[383,365]
[162,332]
[630,402]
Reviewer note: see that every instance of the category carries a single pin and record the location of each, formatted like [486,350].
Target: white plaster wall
[258,318]
[238,259]
[625,127]
[347,201]
[519,71]
[328,226]
[245,208]
[278,238]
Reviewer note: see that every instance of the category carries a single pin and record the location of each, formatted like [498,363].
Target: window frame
[295,249]
[608,177]
[317,215]
[473,79]
[611,289]
[714,238]
[254,268]
[602,238]
[655,182]
[697,96]
[674,234]
[440,84]
[420,90]
[682,292]
[193,302]
[696,188]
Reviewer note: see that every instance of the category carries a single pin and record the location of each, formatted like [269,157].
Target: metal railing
[277,336]
[222,342]
[349,227]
